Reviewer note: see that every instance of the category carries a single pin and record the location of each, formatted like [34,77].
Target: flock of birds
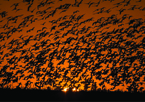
[44,36]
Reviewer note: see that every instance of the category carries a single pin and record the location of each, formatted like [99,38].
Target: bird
[56,32]
[32,11]
[131,21]
[53,12]
[44,28]
[90,3]
[77,4]
[43,23]
[118,4]
[97,4]
[50,3]
[1,52]
[108,11]
[3,14]
[139,1]
[143,9]
[63,11]
[30,30]
[53,28]
[88,20]
[79,17]
[29,7]
[1,20]
[18,10]
[130,17]
[76,11]
[121,10]
[53,22]
[38,31]
[15,4]
[127,3]
[133,7]
[64,18]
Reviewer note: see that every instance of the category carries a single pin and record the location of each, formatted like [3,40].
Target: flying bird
[3,14]
[53,28]
[63,11]
[43,23]
[139,1]
[76,11]
[121,10]
[77,4]
[15,4]
[127,3]
[44,28]
[30,30]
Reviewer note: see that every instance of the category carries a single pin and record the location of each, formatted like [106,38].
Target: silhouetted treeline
[40,95]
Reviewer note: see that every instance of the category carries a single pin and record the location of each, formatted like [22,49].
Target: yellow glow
[74,89]
[65,89]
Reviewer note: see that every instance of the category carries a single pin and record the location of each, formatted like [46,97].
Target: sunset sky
[78,44]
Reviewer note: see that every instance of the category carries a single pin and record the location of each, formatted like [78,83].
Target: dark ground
[47,95]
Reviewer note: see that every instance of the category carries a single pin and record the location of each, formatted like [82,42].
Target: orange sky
[40,18]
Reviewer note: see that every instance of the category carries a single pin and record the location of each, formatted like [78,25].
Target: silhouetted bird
[77,4]
[30,30]
[121,10]
[3,14]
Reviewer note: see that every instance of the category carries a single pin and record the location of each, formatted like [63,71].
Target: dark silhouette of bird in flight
[90,3]
[64,7]
[30,30]
[3,14]
[129,17]
[28,1]
[127,3]
[118,4]
[76,11]
[57,32]
[44,28]
[108,11]
[38,31]
[15,4]
[64,18]
[121,10]
[143,9]
[1,20]
[53,22]
[133,7]
[79,17]
[1,53]
[97,3]
[43,23]
[63,11]
[29,7]
[77,3]
[139,1]
[101,10]
[32,11]
[131,21]
[42,4]
[88,20]
[53,28]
